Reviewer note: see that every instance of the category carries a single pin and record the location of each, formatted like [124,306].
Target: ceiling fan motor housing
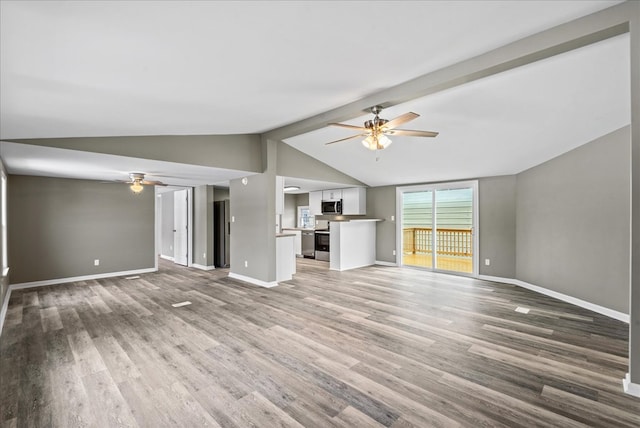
[375,123]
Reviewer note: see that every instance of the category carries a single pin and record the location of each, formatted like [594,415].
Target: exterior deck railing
[450,242]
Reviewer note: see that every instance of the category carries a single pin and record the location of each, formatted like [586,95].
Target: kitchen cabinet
[298,240]
[354,201]
[332,195]
[285,257]
[315,203]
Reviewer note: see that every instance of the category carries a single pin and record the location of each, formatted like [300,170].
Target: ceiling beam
[563,38]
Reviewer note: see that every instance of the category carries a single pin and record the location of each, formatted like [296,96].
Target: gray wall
[573,231]
[294,163]
[166,224]
[253,214]
[220,194]
[381,203]
[4,280]
[203,197]
[302,200]
[496,207]
[497,217]
[290,213]
[59,226]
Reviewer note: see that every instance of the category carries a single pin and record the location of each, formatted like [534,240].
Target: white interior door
[180,228]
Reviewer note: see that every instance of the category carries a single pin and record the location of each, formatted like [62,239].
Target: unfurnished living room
[320,213]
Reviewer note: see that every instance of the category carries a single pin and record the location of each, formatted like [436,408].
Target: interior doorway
[437,227]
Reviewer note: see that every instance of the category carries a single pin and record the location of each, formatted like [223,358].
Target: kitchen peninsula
[352,243]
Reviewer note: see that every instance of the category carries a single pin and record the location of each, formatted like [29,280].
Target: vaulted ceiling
[81,69]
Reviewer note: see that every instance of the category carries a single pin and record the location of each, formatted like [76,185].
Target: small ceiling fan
[377,130]
[136,179]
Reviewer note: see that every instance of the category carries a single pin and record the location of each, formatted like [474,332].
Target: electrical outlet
[393,218]
[394,252]
[96,262]
[233,219]
[171,247]
[204,255]
[487,262]
[246,263]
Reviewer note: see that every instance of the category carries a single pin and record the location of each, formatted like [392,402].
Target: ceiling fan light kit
[137,188]
[377,129]
[137,182]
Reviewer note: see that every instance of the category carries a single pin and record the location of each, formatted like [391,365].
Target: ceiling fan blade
[153,183]
[400,120]
[348,138]
[344,125]
[410,133]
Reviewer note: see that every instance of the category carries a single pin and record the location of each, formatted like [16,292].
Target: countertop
[282,235]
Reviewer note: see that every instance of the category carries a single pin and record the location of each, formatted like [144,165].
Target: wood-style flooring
[372,347]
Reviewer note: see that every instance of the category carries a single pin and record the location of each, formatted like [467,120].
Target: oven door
[322,246]
[322,241]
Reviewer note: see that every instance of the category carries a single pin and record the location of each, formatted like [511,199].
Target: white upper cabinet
[315,203]
[332,195]
[354,201]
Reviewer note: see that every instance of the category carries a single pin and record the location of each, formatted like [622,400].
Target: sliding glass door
[440,217]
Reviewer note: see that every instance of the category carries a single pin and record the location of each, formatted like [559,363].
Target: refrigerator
[221,233]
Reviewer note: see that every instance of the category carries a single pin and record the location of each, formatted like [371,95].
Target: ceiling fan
[136,179]
[377,130]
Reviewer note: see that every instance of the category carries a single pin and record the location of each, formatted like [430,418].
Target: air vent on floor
[178,305]
[522,310]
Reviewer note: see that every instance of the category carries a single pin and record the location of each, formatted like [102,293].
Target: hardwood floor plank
[377,346]
[263,413]
[351,417]
[50,319]
[107,404]
[70,401]
[85,353]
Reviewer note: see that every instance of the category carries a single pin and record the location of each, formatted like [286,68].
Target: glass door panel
[417,220]
[454,230]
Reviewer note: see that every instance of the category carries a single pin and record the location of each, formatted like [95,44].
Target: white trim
[252,280]
[5,308]
[434,187]
[620,316]
[202,267]
[171,259]
[349,268]
[381,263]
[630,387]
[78,278]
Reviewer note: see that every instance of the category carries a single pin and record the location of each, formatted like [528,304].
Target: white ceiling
[103,68]
[499,125]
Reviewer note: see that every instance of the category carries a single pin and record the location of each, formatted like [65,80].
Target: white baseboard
[78,278]
[202,267]
[381,263]
[23,285]
[630,387]
[350,267]
[5,307]
[171,259]
[620,316]
[252,280]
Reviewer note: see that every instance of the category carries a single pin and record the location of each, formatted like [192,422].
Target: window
[305,219]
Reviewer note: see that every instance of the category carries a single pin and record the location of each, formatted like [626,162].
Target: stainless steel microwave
[332,207]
